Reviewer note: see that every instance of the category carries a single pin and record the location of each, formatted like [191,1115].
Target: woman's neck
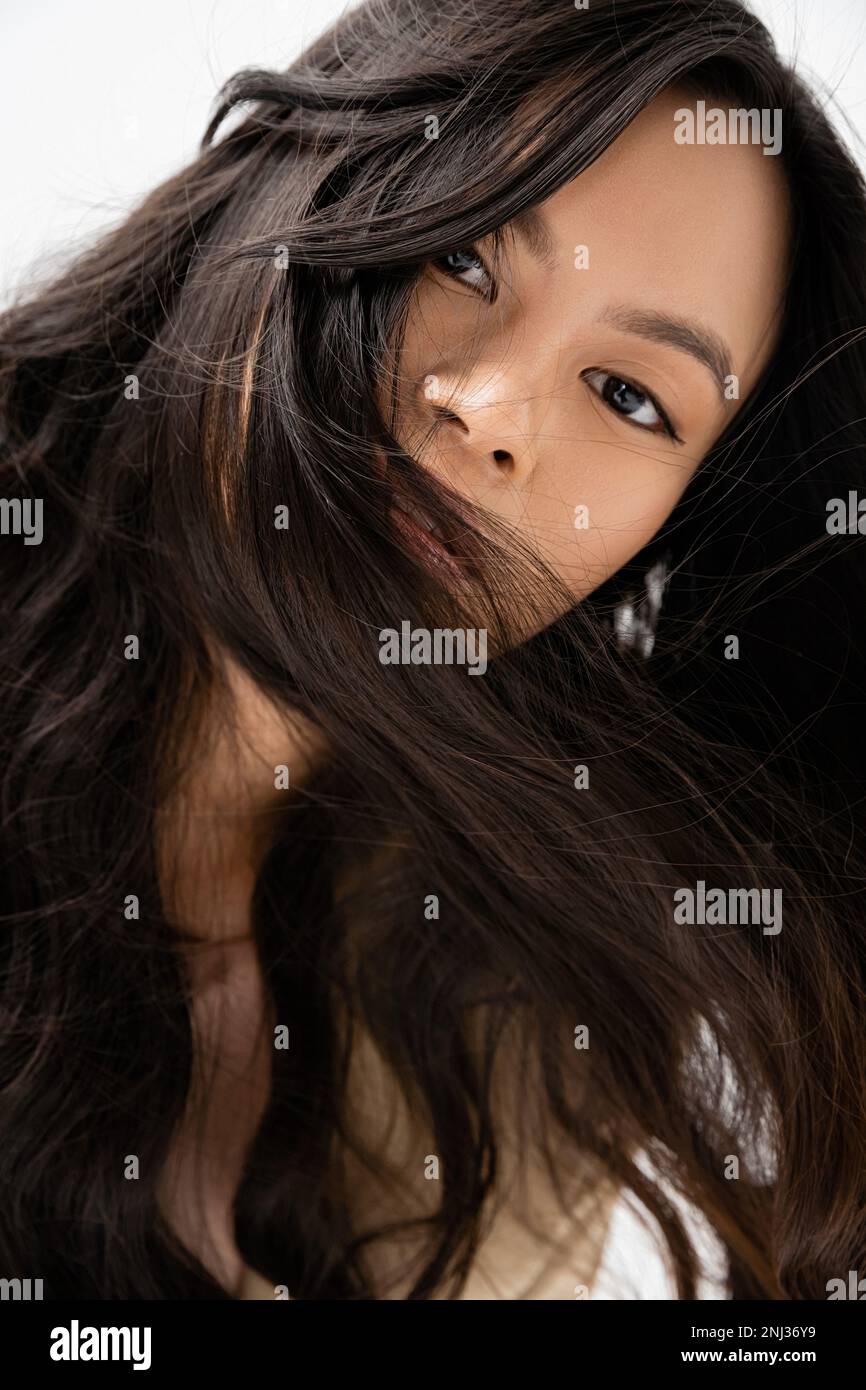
[212,839]
[246,761]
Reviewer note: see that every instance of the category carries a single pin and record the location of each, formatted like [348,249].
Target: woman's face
[577,407]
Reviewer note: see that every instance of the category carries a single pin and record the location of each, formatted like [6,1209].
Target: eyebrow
[531,227]
[683,334]
[674,331]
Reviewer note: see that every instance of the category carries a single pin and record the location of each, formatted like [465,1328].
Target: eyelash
[489,295]
[667,429]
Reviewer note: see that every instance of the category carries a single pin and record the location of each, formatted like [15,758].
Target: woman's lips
[416,530]
[459,556]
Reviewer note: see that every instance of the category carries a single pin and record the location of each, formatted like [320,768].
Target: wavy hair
[257,299]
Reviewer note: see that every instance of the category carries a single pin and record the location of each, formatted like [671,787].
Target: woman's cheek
[610,522]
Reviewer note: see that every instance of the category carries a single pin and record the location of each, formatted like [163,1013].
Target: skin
[696,231]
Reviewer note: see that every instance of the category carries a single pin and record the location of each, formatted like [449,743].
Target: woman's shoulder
[253,1285]
[612,1252]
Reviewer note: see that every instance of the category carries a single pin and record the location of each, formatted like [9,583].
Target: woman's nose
[482,425]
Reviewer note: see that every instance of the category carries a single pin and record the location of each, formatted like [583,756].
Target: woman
[432,806]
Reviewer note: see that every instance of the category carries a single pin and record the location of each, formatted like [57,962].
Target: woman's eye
[450,265]
[629,400]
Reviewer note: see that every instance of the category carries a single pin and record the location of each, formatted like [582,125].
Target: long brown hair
[223,353]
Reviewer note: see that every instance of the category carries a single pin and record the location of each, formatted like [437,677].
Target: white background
[101,99]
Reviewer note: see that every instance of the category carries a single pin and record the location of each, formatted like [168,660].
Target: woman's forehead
[702,229]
